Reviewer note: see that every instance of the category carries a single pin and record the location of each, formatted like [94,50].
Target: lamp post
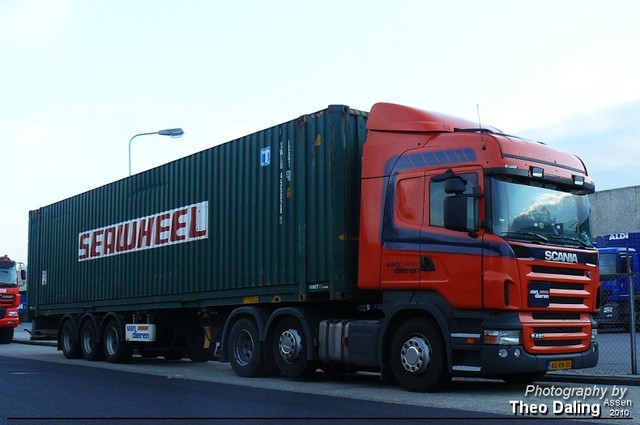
[173,132]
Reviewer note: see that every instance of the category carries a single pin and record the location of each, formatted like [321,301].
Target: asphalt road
[41,386]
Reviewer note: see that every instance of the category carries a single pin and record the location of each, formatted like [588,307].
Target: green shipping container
[273,216]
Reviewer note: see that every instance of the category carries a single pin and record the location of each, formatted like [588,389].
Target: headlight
[13,314]
[495,337]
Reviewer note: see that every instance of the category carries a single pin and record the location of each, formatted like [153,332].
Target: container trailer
[402,241]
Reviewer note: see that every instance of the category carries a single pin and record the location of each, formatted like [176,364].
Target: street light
[173,132]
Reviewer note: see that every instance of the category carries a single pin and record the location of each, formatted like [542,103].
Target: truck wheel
[116,349]
[6,335]
[201,346]
[290,349]
[90,343]
[244,349]
[418,357]
[69,341]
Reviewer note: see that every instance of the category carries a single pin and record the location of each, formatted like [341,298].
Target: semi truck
[619,268]
[12,275]
[411,243]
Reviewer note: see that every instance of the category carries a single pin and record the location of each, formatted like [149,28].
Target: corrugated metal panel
[283,209]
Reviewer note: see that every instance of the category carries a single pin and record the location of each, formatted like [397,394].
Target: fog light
[516,352]
[503,352]
[594,334]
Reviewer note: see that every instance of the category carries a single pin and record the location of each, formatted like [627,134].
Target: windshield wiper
[571,238]
[535,235]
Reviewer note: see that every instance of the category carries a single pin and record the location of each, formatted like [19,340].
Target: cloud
[608,141]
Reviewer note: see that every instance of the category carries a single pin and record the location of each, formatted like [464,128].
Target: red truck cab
[9,299]
[484,234]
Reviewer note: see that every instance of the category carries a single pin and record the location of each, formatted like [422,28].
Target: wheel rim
[290,345]
[415,355]
[67,340]
[88,340]
[243,348]
[111,341]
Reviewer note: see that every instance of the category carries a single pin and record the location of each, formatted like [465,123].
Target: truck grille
[559,298]
[547,335]
[3,311]
[560,287]
[7,299]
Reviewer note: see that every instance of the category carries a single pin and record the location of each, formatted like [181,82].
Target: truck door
[401,225]
[451,261]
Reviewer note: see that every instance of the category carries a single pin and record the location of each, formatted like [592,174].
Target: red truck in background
[401,241]
[10,278]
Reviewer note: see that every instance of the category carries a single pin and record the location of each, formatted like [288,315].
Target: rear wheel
[6,335]
[90,343]
[116,349]
[418,357]
[246,353]
[290,349]
[69,341]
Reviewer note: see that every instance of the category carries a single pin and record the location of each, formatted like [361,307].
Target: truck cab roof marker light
[578,180]
[536,172]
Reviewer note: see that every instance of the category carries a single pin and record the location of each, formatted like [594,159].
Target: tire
[6,335]
[69,341]
[201,347]
[116,349]
[244,349]
[417,357]
[90,343]
[290,349]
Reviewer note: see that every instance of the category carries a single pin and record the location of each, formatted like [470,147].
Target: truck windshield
[8,275]
[539,214]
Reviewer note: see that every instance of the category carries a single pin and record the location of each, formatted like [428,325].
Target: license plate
[560,364]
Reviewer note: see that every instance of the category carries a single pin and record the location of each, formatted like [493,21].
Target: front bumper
[10,318]
[495,365]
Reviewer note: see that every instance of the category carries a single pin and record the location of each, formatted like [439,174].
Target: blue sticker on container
[265,156]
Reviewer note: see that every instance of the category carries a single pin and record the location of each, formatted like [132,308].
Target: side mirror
[455,213]
[23,274]
[455,185]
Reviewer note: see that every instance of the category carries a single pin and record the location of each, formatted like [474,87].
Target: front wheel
[418,357]
[6,335]
[116,349]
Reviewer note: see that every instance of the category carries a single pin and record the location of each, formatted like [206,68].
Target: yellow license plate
[560,364]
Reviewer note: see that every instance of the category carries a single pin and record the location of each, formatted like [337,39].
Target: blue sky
[80,77]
